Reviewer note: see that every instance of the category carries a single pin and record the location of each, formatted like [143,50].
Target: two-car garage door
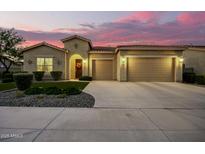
[150,69]
[159,69]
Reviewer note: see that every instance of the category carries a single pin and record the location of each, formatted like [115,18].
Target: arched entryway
[77,66]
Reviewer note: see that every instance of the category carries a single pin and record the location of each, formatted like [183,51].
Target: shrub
[86,78]
[7,80]
[200,79]
[35,91]
[188,70]
[23,80]
[72,91]
[1,75]
[38,75]
[19,72]
[56,75]
[189,77]
[53,91]
[7,77]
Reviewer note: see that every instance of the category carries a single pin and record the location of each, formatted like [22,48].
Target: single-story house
[123,63]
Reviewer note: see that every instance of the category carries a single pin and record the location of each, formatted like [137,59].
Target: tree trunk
[4,63]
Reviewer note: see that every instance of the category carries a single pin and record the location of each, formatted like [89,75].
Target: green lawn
[81,85]
[7,86]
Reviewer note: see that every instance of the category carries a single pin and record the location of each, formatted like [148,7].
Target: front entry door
[78,68]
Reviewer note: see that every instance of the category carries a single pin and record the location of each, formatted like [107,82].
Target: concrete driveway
[123,112]
[127,95]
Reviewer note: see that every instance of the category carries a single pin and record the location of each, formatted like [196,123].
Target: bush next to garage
[200,79]
[189,77]
[85,78]
[56,75]
[23,80]
[38,75]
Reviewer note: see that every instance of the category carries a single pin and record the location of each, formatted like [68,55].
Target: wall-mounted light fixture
[84,61]
[123,60]
[181,60]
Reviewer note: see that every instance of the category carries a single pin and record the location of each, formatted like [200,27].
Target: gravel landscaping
[14,98]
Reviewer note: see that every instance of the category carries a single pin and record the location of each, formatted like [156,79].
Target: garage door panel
[103,70]
[150,69]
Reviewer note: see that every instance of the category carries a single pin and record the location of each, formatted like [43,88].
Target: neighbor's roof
[151,47]
[101,49]
[43,44]
[197,48]
[78,37]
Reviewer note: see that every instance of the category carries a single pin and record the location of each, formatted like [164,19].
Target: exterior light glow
[84,61]
[123,60]
[181,60]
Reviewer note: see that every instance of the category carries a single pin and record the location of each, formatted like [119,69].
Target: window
[45,64]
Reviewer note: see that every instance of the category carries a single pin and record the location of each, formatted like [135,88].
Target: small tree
[9,51]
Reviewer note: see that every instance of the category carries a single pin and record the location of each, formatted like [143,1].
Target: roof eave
[152,49]
[43,44]
[79,37]
[99,52]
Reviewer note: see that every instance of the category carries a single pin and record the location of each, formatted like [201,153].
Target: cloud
[142,17]
[88,25]
[192,18]
[137,28]
[33,42]
[41,35]
[71,30]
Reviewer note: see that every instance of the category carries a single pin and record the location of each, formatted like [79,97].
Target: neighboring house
[123,63]
[194,57]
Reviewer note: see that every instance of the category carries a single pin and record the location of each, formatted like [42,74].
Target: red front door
[78,68]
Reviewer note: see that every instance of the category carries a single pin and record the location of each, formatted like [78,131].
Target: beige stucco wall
[100,56]
[178,69]
[123,55]
[195,59]
[82,47]
[45,51]
[81,52]
[118,66]
[151,53]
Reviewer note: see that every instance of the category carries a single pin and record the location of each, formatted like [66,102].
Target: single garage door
[151,69]
[102,69]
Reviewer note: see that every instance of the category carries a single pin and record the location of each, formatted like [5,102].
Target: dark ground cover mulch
[11,98]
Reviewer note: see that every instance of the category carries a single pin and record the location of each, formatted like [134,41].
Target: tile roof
[103,49]
[78,37]
[151,47]
[43,44]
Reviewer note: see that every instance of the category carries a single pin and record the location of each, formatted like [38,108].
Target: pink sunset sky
[109,28]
